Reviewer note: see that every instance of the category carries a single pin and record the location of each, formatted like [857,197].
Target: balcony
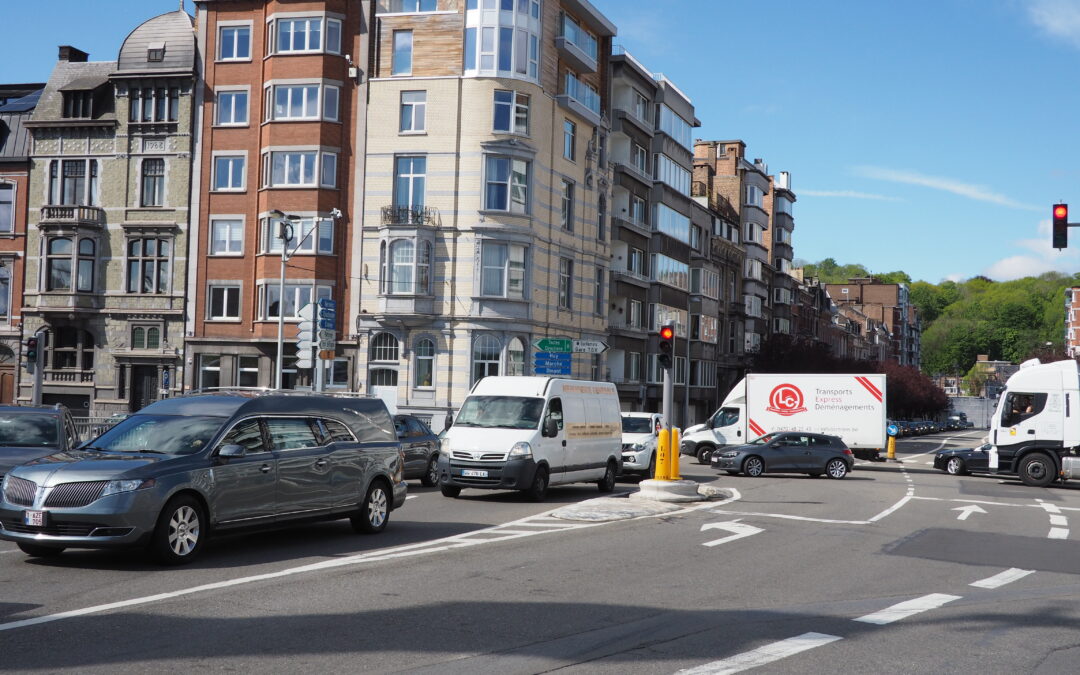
[69,375]
[411,215]
[636,278]
[633,225]
[581,99]
[620,323]
[578,56]
[72,215]
[623,116]
[634,172]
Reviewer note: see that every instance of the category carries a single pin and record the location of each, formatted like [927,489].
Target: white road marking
[966,511]
[1060,521]
[789,517]
[763,655]
[407,497]
[1058,533]
[977,501]
[738,530]
[908,608]
[1049,508]
[1002,578]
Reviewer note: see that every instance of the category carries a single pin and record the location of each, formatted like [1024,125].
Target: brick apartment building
[889,305]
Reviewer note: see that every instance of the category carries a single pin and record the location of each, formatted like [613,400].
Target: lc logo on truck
[786,399]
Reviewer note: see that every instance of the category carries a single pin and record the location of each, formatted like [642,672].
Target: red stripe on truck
[874,391]
[755,428]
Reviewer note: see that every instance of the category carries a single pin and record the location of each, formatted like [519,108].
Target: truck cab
[726,426]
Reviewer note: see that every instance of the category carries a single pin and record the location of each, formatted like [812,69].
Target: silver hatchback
[184,467]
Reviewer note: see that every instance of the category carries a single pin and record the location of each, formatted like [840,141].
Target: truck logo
[786,399]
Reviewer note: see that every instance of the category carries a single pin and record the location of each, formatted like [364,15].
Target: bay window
[297,168]
[406,267]
[296,296]
[304,241]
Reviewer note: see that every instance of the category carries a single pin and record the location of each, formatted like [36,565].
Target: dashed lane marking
[903,610]
[1007,577]
[763,655]
[1058,533]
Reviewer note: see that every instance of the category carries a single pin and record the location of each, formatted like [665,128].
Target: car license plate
[34,518]
[474,473]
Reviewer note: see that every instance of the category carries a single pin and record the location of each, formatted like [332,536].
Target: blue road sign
[165,378]
[327,303]
[554,356]
[891,429]
[552,370]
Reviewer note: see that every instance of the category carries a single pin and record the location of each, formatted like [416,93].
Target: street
[897,568]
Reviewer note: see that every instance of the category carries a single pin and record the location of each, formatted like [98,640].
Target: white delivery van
[640,432]
[526,433]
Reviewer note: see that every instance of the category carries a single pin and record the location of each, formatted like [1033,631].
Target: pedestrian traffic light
[31,350]
[666,346]
[1061,226]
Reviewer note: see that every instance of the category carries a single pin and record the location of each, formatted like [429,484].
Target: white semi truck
[1035,430]
[849,406]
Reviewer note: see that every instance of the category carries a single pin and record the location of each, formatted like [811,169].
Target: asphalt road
[890,570]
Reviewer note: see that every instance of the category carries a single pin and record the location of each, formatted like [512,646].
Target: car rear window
[29,430]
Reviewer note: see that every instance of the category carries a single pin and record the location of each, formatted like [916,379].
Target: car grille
[20,491]
[486,457]
[53,529]
[74,495]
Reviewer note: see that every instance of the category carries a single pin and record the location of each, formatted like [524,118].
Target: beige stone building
[106,241]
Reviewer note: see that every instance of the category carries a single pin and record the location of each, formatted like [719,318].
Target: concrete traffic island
[603,509]
[669,491]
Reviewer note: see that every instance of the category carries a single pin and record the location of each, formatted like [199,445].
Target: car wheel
[431,476]
[651,471]
[1036,470]
[179,535]
[374,511]
[39,551]
[753,467]
[704,453]
[607,483]
[450,490]
[538,490]
[732,472]
[955,466]
[836,468]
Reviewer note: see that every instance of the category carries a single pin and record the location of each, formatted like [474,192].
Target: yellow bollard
[663,447]
[891,452]
[674,473]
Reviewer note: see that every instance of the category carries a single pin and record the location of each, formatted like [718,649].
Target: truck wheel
[704,453]
[1037,470]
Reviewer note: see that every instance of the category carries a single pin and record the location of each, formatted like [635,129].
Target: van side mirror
[551,428]
[232,450]
[709,423]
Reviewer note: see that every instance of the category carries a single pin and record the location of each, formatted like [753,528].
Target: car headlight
[520,450]
[115,487]
[444,447]
[637,447]
[730,455]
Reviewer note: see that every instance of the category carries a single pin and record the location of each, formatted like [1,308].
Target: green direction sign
[553,344]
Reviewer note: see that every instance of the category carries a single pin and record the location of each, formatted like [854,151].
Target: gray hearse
[184,467]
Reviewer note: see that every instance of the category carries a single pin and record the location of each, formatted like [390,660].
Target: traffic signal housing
[1061,226]
[31,352]
[666,346]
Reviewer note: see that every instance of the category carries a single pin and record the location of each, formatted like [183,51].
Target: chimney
[73,55]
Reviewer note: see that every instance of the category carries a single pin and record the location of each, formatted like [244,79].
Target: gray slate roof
[51,105]
[175,30]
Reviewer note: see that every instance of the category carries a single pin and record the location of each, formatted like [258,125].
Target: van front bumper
[514,474]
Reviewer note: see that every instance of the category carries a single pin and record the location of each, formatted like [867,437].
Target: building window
[223,303]
[413,111]
[73,182]
[407,270]
[304,241]
[601,218]
[58,264]
[149,104]
[146,337]
[582,92]
[305,35]
[566,213]
[297,169]
[635,261]
[598,307]
[234,43]
[633,366]
[503,43]
[403,53]
[676,127]
[153,182]
[753,196]
[583,39]
[485,357]
[511,113]
[296,296]
[232,108]
[515,357]
[502,270]
[506,184]
[569,150]
[302,102]
[229,172]
[671,272]
[247,371]
[670,172]
[148,266]
[424,368]
[634,314]
[672,223]
[209,371]
[413,5]
[226,236]
[640,105]
[566,283]
[410,174]
[384,347]
[78,104]
[7,207]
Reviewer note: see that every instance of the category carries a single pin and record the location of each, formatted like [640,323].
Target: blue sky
[930,136]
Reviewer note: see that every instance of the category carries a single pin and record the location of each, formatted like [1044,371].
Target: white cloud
[976,192]
[1057,18]
[847,194]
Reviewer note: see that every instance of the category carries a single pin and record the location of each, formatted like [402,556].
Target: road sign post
[326,339]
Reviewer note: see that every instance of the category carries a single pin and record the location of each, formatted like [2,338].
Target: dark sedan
[959,461]
[787,452]
[421,448]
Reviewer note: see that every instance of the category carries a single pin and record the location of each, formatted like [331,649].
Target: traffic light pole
[42,335]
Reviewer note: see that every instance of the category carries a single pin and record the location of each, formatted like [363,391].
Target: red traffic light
[1060,229]
[667,332]
[1061,211]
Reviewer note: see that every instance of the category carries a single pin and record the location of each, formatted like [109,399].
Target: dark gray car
[185,467]
[787,452]
[29,432]
[421,448]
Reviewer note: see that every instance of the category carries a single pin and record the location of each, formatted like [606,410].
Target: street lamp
[285,234]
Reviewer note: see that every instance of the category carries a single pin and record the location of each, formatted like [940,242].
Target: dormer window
[155,51]
[78,104]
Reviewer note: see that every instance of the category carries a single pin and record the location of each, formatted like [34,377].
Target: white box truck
[849,406]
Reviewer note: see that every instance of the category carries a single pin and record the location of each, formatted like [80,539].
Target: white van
[640,432]
[526,433]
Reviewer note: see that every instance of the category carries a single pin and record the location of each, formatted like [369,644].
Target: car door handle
[321,463]
[1031,431]
[265,468]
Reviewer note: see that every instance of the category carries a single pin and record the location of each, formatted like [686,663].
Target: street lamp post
[285,234]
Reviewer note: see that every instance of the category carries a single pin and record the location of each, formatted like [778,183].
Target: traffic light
[666,346]
[31,351]
[1061,225]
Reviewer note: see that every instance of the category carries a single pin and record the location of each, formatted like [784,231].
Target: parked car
[183,468]
[787,452]
[421,448]
[29,432]
[639,436]
[959,461]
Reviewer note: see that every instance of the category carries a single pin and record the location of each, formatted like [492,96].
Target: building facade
[106,241]
[889,305]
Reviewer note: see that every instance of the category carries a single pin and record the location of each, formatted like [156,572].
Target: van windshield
[506,412]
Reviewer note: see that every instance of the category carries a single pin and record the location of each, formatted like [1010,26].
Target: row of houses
[461,177]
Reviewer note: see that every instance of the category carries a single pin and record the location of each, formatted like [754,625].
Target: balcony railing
[68,375]
[622,271]
[72,214]
[621,323]
[410,215]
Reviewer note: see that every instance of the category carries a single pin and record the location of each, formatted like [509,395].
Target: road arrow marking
[738,530]
[966,511]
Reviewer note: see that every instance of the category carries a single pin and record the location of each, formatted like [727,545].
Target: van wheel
[538,490]
[374,510]
[1036,470]
[450,490]
[607,483]
[651,471]
[704,453]
[38,551]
